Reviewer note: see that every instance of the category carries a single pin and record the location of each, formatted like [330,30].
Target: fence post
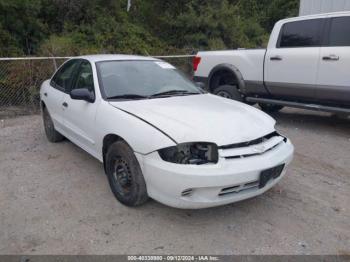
[54,64]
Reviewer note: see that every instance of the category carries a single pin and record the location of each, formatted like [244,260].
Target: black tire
[52,135]
[124,175]
[227,91]
[270,108]
[341,115]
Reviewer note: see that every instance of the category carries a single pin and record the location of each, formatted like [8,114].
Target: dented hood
[205,118]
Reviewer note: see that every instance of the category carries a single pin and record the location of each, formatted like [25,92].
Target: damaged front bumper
[201,186]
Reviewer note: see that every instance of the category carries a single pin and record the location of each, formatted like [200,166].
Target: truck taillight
[196,60]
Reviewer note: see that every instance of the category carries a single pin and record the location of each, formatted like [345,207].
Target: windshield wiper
[174,92]
[128,96]
[161,94]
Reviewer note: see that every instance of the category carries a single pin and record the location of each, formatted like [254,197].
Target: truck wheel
[125,175]
[270,108]
[228,91]
[52,135]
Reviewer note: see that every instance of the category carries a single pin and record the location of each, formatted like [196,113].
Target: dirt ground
[55,199]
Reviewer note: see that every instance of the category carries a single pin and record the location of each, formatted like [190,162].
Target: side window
[63,78]
[84,78]
[306,33]
[339,33]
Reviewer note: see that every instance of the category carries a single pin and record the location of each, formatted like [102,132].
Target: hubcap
[122,176]
[224,94]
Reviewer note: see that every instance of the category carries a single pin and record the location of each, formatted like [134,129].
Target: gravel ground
[55,199]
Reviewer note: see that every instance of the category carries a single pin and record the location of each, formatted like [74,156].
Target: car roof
[314,16]
[112,57]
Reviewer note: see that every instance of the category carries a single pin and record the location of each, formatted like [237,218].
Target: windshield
[142,79]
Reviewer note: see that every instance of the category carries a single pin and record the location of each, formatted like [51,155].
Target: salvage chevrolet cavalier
[158,135]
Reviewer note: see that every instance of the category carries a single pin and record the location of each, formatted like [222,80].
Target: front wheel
[270,108]
[228,91]
[124,175]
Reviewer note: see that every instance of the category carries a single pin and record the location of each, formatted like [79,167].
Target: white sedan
[159,135]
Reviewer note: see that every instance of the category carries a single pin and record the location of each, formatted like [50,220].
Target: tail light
[196,60]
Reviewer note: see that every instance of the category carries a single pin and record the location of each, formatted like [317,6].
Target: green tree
[72,27]
[19,19]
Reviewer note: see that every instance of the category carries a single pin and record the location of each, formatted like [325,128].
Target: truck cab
[305,65]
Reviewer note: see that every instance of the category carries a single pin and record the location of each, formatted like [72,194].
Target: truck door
[333,83]
[291,62]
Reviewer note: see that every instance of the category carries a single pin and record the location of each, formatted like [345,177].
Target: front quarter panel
[141,136]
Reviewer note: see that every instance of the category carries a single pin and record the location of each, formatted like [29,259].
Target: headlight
[191,153]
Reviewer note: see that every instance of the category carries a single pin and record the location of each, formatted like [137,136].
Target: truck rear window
[339,34]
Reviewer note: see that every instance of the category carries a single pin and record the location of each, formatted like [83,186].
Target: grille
[240,188]
[264,178]
[252,148]
[187,192]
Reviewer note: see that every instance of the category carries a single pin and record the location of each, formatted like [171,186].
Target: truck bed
[249,61]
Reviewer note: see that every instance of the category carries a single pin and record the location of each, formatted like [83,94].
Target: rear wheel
[124,175]
[228,91]
[50,131]
[270,107]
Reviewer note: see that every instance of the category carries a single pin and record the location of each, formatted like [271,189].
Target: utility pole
[128,6]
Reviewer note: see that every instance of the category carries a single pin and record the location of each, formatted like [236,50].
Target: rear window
[307,33]
[339,34]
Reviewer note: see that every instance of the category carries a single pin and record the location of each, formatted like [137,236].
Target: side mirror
[200,85]
[82,94]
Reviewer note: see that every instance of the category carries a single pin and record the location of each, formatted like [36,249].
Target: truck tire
[341,115]
[228,91]
[124,175]
[270,108]
[52,135]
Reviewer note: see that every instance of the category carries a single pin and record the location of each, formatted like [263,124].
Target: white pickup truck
[306,65]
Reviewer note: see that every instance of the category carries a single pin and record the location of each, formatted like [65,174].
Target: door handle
[45,94]
[275,58]
[330,58]
[65,104]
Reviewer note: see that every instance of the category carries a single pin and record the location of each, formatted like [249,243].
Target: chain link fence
[20,80]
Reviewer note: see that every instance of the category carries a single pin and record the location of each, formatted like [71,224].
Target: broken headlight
[191,153]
